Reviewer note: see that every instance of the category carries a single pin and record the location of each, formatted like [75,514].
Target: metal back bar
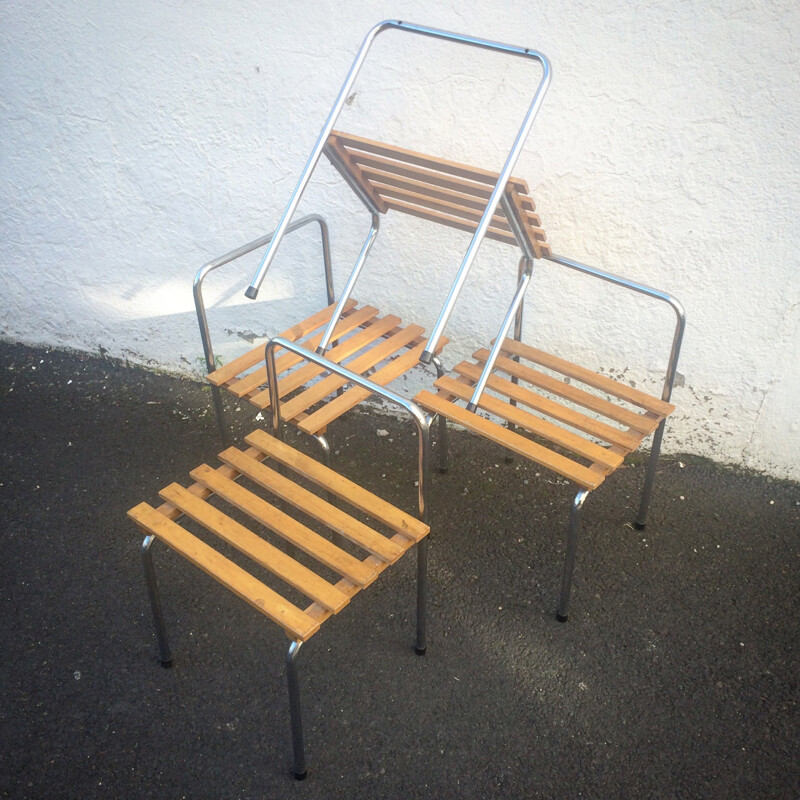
[351,282]
[421,420]
[197,289]
[511,316]
[344,92]
[656,294]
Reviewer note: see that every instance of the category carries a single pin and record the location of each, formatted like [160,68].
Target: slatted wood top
[435,189]
[279,584]
[311,399]
[583,424]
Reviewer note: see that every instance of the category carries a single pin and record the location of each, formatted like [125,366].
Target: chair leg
[294,711]
[155,602]
[219,408]
[650,476]
[325,446]
[443,438]
[422,597]
[562,612]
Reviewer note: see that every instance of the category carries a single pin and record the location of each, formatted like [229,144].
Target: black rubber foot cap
[420,651]
[562,617]
[166,664]
[640,526]
[444,470]
[300,776]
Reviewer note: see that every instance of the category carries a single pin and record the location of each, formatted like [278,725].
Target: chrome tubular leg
[422,597]
[294,711]
[155,602]
[444,437]
[325,446]
[572,545]
[219,408]
[650,476]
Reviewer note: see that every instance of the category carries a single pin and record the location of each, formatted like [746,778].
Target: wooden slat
[352,397]
[294,621]
[273,518]
[582,422]
[359,143]
[565,467]
[348,322]
[262,552]
[533,424]
[355,172]
[322,388]
[352,529]
[640,422]
[533,240]
[249,359]
[449,220]
[471,195]
[425,176]
[309,371]
[337,484]
[602,382]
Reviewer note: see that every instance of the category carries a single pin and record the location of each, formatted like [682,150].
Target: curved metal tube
[649,291]
[203,272]
[344,92]
[421,420]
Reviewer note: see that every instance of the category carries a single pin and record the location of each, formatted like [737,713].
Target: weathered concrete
[676,676]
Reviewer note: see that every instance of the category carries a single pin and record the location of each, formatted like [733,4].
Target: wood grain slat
[470,195]
[594,379]
[359,143]
[448,219]
[533,424]
[639,422]
[355,172]
[313,505]
[308,541]
[253,380]
[328,385]
[262,552]
[566,467]
[295,622]
[594,427]
[249,359]
[352,397]
[294,380]
[337,484]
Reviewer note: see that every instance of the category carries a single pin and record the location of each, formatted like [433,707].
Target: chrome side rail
[648,291]
[421,419]
[203,272]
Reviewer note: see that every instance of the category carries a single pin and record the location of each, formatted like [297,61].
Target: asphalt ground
[675,677]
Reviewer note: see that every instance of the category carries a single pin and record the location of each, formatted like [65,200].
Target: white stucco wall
[139,140]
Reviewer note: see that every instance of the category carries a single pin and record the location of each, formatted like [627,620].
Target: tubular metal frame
[423,423]
[233,255]
[495,198]
[514,315]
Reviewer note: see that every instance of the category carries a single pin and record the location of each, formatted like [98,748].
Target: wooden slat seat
[297,596]
[583,424]
[435,189]
[311,399]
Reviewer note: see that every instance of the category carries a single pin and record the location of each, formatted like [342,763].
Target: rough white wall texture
[141,139]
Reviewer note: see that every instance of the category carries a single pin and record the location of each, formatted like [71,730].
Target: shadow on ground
[675,677]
